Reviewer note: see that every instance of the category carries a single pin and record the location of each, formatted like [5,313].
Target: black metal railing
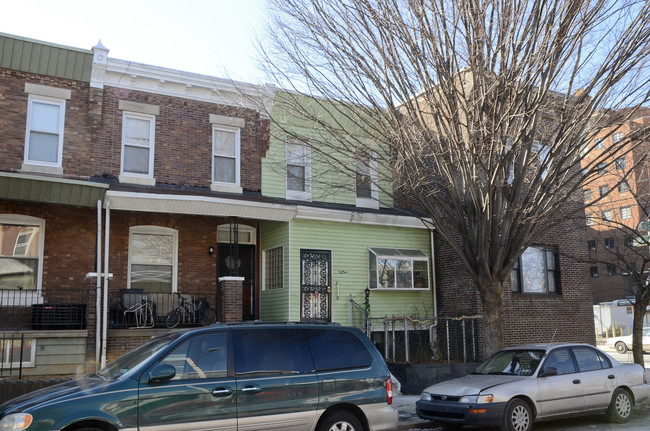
[45,309]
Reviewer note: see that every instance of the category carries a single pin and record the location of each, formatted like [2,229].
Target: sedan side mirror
[162,373]
[550,371]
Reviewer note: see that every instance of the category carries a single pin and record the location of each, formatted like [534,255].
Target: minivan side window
[274,351]
[200,357]
[326,348]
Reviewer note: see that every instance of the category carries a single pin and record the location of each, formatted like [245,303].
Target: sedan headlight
[16,422]
[425,396]
[477,399]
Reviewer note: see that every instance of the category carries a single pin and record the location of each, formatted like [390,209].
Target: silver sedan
[520,385]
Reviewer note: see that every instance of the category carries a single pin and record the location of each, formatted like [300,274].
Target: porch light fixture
[210,251]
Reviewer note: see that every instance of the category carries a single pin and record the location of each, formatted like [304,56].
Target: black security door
[315,290]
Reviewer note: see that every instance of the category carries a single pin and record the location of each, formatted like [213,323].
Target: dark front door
[315,286]
[242,266]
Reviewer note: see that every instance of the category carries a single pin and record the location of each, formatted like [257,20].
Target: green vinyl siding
[42,58]
[349,244]
[333,177]
[274,304]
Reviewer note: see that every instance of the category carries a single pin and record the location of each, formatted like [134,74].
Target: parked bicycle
[187,311]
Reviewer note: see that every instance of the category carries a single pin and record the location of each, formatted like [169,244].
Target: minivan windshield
[512,363]
[137,356]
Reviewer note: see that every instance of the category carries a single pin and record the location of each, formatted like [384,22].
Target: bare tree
[619,217]
[477,112]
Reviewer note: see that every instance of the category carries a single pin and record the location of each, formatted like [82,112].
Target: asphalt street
[640,420]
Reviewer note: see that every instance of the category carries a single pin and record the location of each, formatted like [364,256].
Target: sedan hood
[58,392]
[471,384]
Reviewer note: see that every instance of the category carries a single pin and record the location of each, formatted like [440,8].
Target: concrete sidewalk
[405,405]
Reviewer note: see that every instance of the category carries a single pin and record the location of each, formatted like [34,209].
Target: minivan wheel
[621,347]
[518,416]
[340,420]
[620,409]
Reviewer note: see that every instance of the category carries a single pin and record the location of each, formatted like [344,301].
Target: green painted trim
[35,188]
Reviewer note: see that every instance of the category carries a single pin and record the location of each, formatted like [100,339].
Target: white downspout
[98,296]
[106,277]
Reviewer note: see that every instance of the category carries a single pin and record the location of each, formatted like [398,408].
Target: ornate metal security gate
[315,290]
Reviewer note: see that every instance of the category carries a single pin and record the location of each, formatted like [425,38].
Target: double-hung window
[366,181]
[298,171]
[226,153]
[153,254]
[536,271]
[45,125]
[138,132]
[398,268]
[21,252]
[138,142]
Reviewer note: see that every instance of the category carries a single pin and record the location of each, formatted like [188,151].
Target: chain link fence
[413,339]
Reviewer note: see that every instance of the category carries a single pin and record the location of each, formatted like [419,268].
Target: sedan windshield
[512,363]
[136,356]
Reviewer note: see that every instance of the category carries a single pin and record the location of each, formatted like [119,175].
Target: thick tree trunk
[637,332]
[492,321]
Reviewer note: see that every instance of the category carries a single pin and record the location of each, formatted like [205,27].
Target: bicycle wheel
[173,319]
[207,317]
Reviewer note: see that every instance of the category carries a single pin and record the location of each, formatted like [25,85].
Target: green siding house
[346,243]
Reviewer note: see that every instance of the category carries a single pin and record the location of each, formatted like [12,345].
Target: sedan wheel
[518,416]
[621,347]
[620,409]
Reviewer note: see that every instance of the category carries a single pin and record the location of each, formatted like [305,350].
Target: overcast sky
[212,37]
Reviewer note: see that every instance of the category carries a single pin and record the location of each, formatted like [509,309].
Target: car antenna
[552,338]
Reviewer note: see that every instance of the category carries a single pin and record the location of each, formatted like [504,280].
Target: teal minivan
[249,376]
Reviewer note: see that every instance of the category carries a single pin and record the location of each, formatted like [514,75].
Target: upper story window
[603,190]
[398,268]
[138,142]
[366,181]
[226,153]
[536,271]
[626,213]
[623,187]
[298,171]
[587,194]
[591,244]
[600,144]
[620,164]
[617,137]
[45,126]
[153,263]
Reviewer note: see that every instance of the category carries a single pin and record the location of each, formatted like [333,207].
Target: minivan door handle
[222,392]
[577,382]
[250,389]
[611,377]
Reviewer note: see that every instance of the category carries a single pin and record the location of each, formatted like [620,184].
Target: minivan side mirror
[162,373]
[550,371]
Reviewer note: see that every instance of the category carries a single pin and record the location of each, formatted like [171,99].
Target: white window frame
[373,200]
[155,230]
[29,361]
[265,275]
[396,253]
[222,185]
[626,213]
[26,298]
[134,177]
[39,165]
[297,194]
[232,125]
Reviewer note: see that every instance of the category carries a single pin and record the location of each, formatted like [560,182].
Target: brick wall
[183,138]
[13,106]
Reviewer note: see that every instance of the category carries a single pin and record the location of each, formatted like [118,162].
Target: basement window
[398,268]
[15,353]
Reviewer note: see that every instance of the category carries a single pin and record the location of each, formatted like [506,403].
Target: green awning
[34,188]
